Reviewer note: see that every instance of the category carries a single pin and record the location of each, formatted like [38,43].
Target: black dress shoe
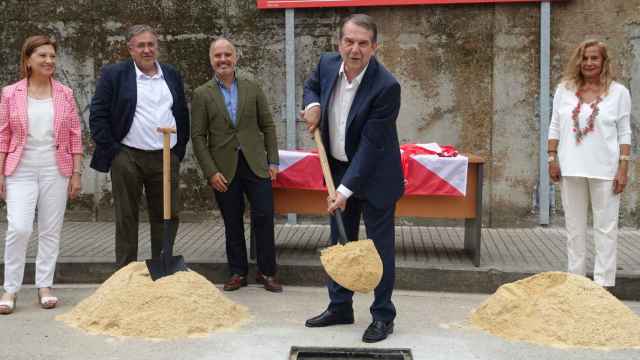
[377,331]
[328,318]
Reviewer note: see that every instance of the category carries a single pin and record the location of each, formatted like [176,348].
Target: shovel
[354,265]
[166,264]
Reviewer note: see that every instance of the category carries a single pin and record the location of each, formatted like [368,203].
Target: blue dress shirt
[230,98]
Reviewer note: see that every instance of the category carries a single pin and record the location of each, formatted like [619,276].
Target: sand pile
[355,265]
[559,309]
[129,303]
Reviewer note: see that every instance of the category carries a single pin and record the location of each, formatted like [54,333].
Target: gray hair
[222,38]
[363,21]
[139,29]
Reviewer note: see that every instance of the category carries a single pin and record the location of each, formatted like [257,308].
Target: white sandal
[47,302]
[7,306]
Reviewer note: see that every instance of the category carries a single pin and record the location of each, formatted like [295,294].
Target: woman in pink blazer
[40,159]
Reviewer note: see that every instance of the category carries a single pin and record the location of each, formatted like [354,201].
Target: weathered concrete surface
[433,325]
[514,140]
[469,74]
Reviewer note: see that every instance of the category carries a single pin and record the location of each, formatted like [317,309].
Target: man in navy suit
[355,101]
[133,98]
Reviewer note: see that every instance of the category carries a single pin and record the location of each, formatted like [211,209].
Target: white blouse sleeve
[554,125]
[624,119]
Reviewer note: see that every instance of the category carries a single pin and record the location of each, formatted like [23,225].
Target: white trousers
[28,188]
[576,192]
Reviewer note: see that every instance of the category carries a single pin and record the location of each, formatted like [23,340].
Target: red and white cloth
[299,170]
[429,169]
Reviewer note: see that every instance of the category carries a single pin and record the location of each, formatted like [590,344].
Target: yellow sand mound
[355,265]
[561,310]
[129,303]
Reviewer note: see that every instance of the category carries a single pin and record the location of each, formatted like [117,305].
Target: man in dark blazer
[133,98]
[234,140]
[356,101]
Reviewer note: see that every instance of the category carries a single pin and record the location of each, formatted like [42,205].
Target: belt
[140,150]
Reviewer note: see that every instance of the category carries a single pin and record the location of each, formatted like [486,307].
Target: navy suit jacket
[371,142]
[113,107]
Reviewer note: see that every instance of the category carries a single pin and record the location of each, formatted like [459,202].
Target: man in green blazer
[234,140]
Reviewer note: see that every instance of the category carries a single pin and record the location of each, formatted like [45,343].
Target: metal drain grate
[329,353]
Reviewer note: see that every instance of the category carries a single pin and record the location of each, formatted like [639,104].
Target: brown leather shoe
[269,282]
[235,282]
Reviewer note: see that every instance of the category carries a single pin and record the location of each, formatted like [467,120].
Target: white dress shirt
[153,110]
[339,106]
[598,153]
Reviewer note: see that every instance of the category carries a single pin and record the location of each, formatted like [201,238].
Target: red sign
[288,4]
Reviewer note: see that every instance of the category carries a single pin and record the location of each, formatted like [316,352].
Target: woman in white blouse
[589,147]
[40,166]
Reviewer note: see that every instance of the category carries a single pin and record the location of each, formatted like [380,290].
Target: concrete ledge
[478,280]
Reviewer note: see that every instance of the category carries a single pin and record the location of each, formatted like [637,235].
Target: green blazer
[215,140]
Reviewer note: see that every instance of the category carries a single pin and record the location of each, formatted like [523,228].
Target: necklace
[575,115]
[39,92]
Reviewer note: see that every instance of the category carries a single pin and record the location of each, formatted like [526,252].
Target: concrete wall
[469,74]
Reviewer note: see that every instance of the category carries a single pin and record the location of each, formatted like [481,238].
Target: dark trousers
[379,225]
[231,204]
[131,171]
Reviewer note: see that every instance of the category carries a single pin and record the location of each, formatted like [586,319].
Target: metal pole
[545,54]
[290,63]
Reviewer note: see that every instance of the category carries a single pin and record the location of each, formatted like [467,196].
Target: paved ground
[428,258]
[432,325]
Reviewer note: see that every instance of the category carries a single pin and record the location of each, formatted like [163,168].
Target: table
[468,207]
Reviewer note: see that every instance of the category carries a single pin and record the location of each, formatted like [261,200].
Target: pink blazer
[13,125]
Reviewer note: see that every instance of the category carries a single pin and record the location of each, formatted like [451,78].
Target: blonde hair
[573,72]
[30,45]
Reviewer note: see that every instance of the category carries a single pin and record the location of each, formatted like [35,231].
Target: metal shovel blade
[160,267]
[354,265]
[166,264]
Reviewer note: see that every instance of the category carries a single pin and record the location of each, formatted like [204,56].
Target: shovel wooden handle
[166,170]
[328,179]
[324,163]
